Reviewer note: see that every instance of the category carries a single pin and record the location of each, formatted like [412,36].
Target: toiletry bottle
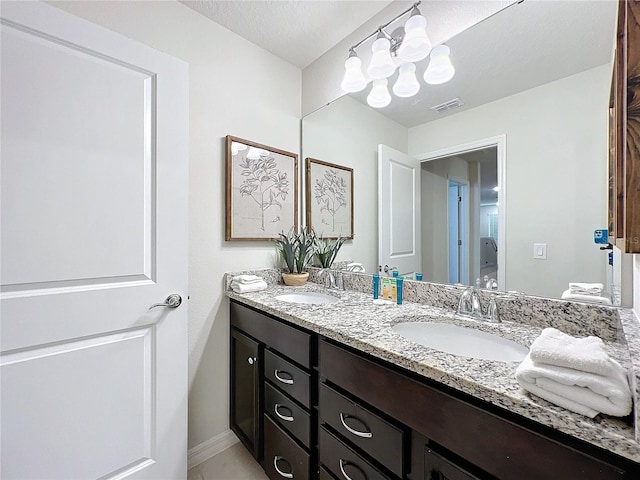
[386,286]
[419,276]
[394,289]
[376,285]
[400,283]
[394,272]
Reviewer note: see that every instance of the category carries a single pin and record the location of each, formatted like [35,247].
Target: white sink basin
[466,342]
[309,298]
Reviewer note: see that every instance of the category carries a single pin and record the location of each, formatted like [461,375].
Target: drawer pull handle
[288,381]
[344,463]
[351,430]
[276,459]
[286,418]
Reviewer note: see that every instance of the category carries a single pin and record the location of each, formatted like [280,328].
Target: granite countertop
[357,322]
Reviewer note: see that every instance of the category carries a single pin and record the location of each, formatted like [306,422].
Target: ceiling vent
[448,105]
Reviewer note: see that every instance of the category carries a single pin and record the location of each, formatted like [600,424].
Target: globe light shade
[415,45]
[440,69]
[407,84]
[353,80]
[237,147]
[381,65]
[379,96]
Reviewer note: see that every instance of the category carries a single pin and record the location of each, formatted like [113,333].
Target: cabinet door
[245,391]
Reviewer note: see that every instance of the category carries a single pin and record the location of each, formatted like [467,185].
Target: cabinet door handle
[252,360]
[288,381]
[276,459]
[283,417]
[344,463]
[351,430]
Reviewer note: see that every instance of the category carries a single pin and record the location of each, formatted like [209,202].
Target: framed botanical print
[261,191]
[329,198]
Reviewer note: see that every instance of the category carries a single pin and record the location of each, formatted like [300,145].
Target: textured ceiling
[297,31]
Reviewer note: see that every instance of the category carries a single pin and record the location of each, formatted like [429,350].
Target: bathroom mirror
[537,73]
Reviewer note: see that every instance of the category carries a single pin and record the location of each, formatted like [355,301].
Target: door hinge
[459,243]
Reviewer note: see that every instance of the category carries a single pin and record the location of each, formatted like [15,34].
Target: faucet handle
[492,314]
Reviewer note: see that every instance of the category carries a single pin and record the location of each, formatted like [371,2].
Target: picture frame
[329,199]
[261,191]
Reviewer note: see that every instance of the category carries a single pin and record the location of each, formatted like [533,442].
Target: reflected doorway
[458,219]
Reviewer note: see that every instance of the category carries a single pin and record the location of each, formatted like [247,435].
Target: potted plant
[296,250]
[326,250]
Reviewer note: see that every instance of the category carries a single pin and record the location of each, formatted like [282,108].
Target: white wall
[239,89]
[556,162]
[485,211]
[347,133]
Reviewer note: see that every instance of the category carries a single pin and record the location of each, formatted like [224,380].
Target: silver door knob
[173,301]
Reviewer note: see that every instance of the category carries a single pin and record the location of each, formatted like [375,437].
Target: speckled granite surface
[355,321]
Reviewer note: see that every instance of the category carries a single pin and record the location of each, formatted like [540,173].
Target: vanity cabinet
[315,408]
[273,387]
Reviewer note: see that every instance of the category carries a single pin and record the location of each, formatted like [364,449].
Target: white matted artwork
[329,197]
[261,191]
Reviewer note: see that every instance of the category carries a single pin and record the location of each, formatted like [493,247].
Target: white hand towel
[247,279]
[587,354]
[567,295]
[581,392]
[250,287]
[586,288]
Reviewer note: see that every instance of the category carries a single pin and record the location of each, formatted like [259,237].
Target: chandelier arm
[382,27]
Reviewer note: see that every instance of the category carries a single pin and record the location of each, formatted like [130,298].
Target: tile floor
[235,463]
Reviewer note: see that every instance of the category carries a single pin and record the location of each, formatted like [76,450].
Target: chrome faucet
[332,279]
[470,305]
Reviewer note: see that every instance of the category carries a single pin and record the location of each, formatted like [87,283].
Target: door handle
[172,301]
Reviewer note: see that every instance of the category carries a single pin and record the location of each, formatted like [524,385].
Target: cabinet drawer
[288,414]
[288,378]
[325,475]
[379,438]
[343,462]
[514,452]
[292,342]
[283,457]
[436,466]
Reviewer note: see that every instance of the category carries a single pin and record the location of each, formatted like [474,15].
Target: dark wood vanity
[308,407]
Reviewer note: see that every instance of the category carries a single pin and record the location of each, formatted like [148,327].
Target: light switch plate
[540,251]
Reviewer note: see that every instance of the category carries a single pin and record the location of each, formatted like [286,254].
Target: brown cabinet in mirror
[624,125]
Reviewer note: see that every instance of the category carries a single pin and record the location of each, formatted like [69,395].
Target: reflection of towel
[247,279]
[249,287]
[567,295]
[587,354]
[581,392]
[585,288]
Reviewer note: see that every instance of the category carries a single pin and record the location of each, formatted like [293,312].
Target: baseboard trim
[207,449]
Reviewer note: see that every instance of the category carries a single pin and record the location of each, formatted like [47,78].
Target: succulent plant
[296,249]
[326,249]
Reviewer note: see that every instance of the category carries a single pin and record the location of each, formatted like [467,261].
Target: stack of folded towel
[576,374]
[586,292]
[247,283]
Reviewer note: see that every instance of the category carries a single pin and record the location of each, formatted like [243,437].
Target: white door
[94,231]
[399,221]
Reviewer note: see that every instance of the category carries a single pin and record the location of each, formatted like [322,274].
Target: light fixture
[379,95]
[400,50]
[496,188]
[354,80]
[415,45]
[440,69]
[237,147]
[407,84]
[382,65]
[256,153]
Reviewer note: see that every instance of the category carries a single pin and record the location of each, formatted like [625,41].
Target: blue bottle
[418,276]
[376,285]
[399,282]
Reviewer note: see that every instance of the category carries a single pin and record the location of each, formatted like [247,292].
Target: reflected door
[94,210]
[399,221]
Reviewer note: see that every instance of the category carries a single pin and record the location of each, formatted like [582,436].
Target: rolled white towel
[567,295]
[247,279]
[581,392]
[578,288]
[249,287]
[586,354]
